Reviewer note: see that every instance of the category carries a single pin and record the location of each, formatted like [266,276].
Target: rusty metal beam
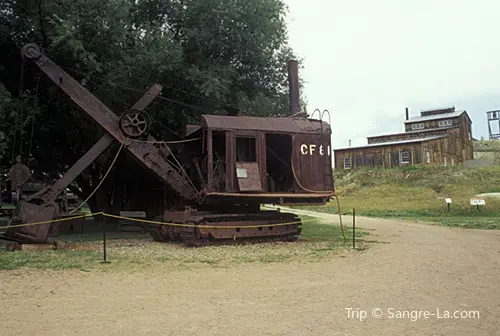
[26,212]
[145,152]
[147,98]
[52,192]
[80,165]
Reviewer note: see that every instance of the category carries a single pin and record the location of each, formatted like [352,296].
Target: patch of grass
[419,193]
[491,189]
[475,222]
[56,260]
[138,251]
[332,233]
[489,145]
[313,230]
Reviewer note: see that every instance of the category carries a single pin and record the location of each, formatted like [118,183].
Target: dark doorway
[279,162]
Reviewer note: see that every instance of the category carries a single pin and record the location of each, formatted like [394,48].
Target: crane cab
[281,160]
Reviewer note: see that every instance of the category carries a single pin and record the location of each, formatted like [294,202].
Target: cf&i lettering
[310,149]
[303,149]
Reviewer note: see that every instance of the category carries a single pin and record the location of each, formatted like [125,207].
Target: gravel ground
[408,267]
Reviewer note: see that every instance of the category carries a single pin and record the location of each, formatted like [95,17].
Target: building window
[416,127]
[444,123]
[428,157]
[405,157]
[347,163]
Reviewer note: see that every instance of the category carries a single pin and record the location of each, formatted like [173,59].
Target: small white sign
[477,201]
[447,200]
[241,173]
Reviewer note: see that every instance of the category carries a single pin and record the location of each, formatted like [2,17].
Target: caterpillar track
[205,228]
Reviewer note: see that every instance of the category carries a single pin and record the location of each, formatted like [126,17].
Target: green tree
[215,55]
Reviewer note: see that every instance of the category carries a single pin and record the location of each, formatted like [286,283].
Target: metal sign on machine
[311,149]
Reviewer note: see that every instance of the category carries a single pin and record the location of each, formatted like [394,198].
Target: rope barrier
[51,221]
[207,226]
[157,222]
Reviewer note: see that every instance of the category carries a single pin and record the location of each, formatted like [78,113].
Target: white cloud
[365,60]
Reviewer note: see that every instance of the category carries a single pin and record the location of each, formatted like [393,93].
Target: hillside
[487,150]
[487,145]
[419,193]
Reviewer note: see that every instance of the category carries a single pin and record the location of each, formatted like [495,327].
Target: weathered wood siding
[455,147]
[442,151]
[379,156]
[466,135]
[431,124]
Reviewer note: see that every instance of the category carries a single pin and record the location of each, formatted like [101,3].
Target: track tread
[192,237]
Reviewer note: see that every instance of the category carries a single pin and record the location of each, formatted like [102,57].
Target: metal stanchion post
[354,228]
[104,252]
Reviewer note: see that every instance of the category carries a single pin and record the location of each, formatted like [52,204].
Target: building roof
[270,124]
[391,143]
[442,108]
[414,132]
[437,116]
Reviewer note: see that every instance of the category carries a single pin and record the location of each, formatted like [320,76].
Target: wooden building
[440,136]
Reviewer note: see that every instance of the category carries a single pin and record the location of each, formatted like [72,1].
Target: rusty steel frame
[145,152]
[41,206]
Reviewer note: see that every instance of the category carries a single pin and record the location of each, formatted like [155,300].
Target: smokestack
[349,143]
[293,85]
[407,115]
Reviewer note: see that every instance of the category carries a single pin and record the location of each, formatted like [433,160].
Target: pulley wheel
[135,123]
[31,51]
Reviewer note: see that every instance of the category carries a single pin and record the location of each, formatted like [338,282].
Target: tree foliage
[208,55]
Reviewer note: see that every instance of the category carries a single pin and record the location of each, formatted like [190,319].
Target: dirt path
[413,267]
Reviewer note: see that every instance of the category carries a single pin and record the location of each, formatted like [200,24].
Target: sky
[365,61]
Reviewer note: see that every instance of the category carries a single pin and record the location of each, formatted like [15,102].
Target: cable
[340,217]
[21,88]
[101,87]
[319,192]
[100,182]
[182,169]
[156,142]
[315,191]
[165,142]
[33,118]
[164,85]
[193,107]
[297,180]
[16,128]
